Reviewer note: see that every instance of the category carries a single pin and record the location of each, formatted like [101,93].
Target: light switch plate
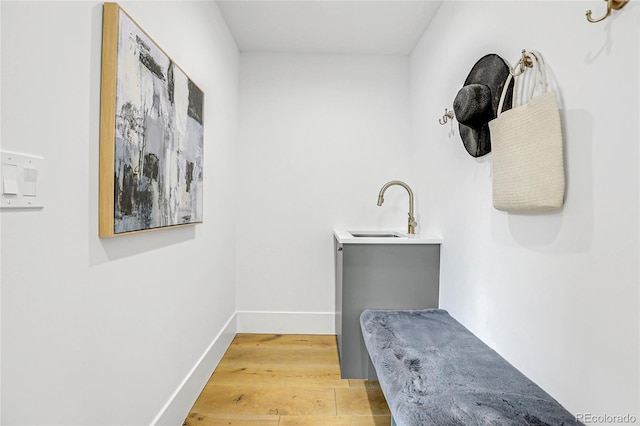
[24,171]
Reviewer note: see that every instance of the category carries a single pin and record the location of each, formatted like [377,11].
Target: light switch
[20,175]
[10,179]
[30,180]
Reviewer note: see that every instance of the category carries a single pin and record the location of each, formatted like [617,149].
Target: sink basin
[378,234]
[381,236]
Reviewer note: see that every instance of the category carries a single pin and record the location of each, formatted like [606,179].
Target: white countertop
[344,237]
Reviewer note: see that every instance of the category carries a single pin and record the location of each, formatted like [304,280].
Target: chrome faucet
[412,220]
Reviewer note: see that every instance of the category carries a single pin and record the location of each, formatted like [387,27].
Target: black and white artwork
[158,137]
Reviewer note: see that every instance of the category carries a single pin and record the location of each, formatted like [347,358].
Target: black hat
[477,102]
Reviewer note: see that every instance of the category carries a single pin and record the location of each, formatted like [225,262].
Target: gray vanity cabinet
[379,276]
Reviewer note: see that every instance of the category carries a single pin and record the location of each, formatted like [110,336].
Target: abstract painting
[151,134]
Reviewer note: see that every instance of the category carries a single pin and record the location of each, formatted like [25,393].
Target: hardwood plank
[281,355]
[243,400]
[286,341]
[335,421]
[197,419]
[361,401]
[298,375]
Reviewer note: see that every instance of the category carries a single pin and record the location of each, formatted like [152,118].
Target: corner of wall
[286,322]
[181,401]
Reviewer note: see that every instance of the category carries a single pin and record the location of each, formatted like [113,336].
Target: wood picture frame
[151,134]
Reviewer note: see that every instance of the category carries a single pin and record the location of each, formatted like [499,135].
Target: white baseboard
[177,408]
[286,322]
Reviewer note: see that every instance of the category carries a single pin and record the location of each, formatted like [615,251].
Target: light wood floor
[286,380]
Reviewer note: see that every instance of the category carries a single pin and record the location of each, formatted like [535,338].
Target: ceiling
[326,26]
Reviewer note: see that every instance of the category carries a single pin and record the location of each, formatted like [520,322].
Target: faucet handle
[412,224]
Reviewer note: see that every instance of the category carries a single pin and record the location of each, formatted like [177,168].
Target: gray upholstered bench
[433,371]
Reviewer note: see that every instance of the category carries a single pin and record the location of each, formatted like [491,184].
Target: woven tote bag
[527,146]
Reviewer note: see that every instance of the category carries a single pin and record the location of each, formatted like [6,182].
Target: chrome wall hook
[448,115]
[611,4]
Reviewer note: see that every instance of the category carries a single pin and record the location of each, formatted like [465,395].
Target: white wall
[556,294]
[319,136]
[105,331]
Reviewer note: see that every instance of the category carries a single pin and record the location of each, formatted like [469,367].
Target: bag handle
[504,93]
[539,76]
